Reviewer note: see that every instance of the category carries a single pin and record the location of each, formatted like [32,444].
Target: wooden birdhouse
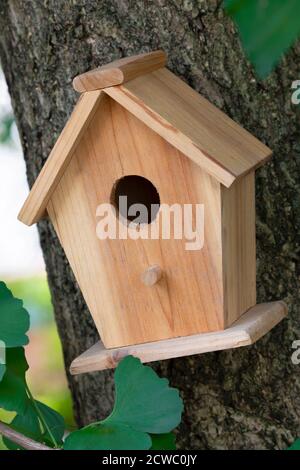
[140,132]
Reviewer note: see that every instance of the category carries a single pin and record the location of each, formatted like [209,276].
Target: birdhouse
[140,134]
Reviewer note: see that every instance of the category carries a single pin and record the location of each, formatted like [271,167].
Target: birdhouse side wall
[239,247]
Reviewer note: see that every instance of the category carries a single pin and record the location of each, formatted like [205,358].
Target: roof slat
[192,124]
[119,71]
[35,205]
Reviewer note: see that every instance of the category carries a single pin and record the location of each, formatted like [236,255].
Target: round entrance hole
[135,199]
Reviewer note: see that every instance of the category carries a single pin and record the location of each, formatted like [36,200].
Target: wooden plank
[119,71]
[254,324]
[192,124]
[238,247]
[35,205]
[188,299]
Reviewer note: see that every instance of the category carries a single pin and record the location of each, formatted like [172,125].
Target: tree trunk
[239,399]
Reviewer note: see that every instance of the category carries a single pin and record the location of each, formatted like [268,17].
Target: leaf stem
[18,438]
[41,417]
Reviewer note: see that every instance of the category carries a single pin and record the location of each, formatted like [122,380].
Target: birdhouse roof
[167,105]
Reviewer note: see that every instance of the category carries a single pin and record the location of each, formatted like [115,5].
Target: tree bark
[239,399]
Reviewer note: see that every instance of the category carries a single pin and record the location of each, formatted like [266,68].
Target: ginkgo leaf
[295,446]
[14,319]
[144,404]
[55,422]
[13,396]
[163,441]
[30,425]
[27,424]
[267,29]
[102,436]
[143,400]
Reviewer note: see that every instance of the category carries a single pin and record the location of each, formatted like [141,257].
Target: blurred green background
[22,269]
[46,375]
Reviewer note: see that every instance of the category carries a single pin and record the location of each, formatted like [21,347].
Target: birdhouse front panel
[189,297]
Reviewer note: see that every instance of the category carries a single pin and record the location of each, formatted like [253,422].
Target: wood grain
[189,297]
[119,71]
[192,124]
[239,247]
[254,324]
[35,205]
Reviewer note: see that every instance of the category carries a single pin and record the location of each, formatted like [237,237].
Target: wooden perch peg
[152,275]
[119,71]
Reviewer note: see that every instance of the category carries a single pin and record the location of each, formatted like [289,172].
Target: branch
[20,439]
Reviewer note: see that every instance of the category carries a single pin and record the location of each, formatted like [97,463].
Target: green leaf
[144,404]
[55,422]
[14,319]
[295,446]
[144,401]
[27,424]
[163,441]
[102,436]
[30,425]
[267,29]
[13,396]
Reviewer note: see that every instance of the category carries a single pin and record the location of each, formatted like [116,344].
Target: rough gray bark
[248,398]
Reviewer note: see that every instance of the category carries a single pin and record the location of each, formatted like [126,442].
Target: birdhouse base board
[254,324]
